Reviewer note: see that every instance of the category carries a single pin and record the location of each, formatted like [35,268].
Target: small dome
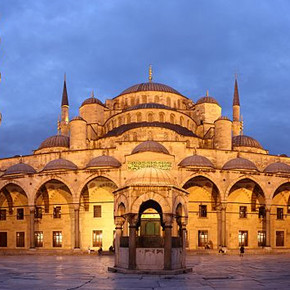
[223,118]
[151,176]
[150,146]
[20,168]
[240,163]
[104,161]
[208,100]
[60,164]
[55,141]
[92,100]
[277,167]
[245,141]
[149,106]
[144,87]
[197,161]
[77,118]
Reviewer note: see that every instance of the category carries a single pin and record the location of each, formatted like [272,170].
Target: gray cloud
[108,45]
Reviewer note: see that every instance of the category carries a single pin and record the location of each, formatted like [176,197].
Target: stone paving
[90,272]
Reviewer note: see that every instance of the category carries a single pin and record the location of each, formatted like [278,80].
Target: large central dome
[150,86]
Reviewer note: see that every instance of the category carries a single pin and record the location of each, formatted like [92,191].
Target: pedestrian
[100,251]
[242,250]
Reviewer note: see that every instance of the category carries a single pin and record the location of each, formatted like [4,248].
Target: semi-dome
[197,161]
[245,141]
[151,176]
[104,161]
[277,167]
[20,168]
[208,100]
[59,164]
[150,86]
[224,118]
[92,100]
[55,141]
[240,163]
[149,106]
[77,118]
[151,146]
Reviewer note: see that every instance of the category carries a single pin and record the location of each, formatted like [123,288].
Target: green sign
[135,165]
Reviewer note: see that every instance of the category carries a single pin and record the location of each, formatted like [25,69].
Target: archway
[203,213]
[280,210]
[246,214]
[54,216]
[14,213]
[97,214]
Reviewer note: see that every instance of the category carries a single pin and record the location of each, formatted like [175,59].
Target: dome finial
[58,126]
[206,93]
[150,73]
[92,94]
[242,125]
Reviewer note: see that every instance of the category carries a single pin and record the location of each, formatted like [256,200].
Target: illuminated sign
[135,165]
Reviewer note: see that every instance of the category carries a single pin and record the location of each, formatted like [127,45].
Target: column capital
[132,219]
[167,219]
[76,206]
[119,221]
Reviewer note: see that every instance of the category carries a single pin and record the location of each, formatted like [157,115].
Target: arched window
[168,101]
[144,99]
[139,117]
[161,117]
[128,118]
[188,124]
[150,117]
[120,122]
[116,106]
[172,118]
[156,99]
[181,121]
[134,136]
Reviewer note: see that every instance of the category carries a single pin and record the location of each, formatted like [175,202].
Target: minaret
[64,122]
[236,111]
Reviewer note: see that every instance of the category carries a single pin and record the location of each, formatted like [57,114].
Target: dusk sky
[107,46]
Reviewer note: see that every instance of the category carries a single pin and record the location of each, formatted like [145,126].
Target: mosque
[144,166]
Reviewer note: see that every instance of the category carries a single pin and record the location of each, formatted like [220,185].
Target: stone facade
[233,196]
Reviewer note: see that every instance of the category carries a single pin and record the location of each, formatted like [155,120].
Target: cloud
[108,45]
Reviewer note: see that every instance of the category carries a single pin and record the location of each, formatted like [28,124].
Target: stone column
[31,226]
[77,226]
[219,227]
[268,227]
[125,229]
[132,241]
[119,221]
[223,225]
[183,236]
[167,241]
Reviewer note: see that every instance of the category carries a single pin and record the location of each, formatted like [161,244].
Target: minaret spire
[64,101]
[150,73]
[236,110]
[64,121]
[236,100]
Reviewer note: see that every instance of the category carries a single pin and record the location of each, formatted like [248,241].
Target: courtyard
[90,272]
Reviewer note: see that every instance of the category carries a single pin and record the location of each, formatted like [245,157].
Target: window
[280,215]
[57,239]
[202,238]
[261,238]
[288,209]
[97,211]
[97,238]
[20,213]
[2,214]
[3,239]
[38,239]
[202,211]
[262,212]
[20,239]
[57,212]
[279,238]
[38,212]
[243,212]
[243,238]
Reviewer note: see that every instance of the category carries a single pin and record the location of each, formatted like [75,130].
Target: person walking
[242,250]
